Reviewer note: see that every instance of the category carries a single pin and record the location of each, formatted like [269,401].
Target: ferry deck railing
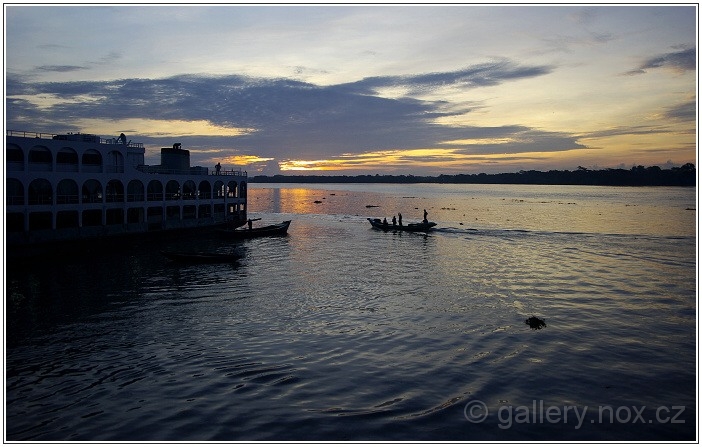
[161,170]
[50,136]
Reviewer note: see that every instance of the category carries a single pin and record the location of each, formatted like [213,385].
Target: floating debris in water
[317,201]
[371,206]
[535,323]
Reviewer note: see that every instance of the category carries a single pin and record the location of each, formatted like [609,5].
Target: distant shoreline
[637,176]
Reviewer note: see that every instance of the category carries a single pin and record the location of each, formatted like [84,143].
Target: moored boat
[201,257]
[248,233]
[413,227]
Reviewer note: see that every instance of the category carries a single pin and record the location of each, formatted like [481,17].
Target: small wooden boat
[421,226]
[247,233]
[201,257]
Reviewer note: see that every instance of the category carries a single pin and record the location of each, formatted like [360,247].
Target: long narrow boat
[248,233]
[201,257]
[413,227]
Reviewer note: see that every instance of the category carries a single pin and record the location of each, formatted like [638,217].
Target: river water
[341,332]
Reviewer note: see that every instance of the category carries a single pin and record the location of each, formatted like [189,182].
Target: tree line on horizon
[684,175]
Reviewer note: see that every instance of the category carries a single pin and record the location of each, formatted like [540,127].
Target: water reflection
[288,200]
[526,207]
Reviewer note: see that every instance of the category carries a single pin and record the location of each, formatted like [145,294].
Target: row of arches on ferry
[40,158]
[41,191]
[155,216]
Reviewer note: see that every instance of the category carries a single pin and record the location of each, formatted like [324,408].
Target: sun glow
[439,161]
[158,128]
[374,160]
[243,160]
[482,141]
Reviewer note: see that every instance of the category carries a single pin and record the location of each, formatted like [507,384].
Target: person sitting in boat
[250,222]
[385,222]
[394,221]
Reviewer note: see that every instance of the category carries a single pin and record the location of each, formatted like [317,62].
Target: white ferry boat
[79,186]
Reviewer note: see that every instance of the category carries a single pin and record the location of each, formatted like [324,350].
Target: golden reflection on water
[286,200]
[569,209]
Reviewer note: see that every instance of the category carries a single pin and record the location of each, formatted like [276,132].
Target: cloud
[60,68]
[686,111]
[679,61]
[283,119]
[52,47]
[481,75]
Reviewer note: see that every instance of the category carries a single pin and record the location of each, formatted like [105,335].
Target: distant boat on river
[248,233]
[413,227]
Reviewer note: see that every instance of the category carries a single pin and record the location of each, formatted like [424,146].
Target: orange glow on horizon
[621,150]
[242,160]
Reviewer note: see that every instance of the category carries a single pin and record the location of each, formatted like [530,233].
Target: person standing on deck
[218,167]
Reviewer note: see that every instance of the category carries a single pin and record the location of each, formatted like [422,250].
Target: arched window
[189,190]
[92,191]
[205,190]
[67,191]
[231,189]
[114,192]
[92,161]
[172,190]
[135,191]
[115,162]
[14,192]
[40,159]
[218,189]
[66,160]
[154,191]
[14,157]
[40,192]
[242,193]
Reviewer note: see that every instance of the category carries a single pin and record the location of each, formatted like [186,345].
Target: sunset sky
[406,89]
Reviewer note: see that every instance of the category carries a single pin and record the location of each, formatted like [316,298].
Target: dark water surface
[341,332]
